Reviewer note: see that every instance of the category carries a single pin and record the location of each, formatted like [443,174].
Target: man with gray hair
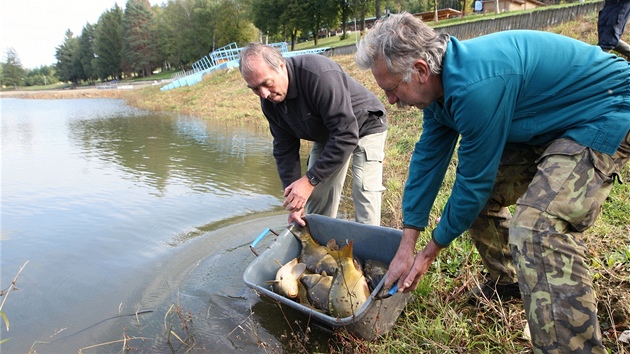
[547,133]
[310,97]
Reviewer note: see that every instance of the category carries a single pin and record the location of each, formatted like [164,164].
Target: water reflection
[157,151]
[97,195]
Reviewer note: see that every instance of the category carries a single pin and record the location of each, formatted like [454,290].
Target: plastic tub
[377,316]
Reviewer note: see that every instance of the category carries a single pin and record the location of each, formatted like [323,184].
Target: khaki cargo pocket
[373,170]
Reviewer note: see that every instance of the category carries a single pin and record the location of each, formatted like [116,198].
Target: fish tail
[346,251]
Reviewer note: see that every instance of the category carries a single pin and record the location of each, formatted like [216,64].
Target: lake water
[121,211]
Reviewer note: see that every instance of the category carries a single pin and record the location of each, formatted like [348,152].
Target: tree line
[140,39]
[12,74]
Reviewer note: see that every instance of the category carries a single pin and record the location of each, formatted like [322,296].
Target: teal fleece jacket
[525,87]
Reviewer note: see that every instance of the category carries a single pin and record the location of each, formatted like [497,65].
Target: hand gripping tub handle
[260,237]
[392,291]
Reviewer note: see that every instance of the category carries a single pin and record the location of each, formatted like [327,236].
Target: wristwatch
[312,179]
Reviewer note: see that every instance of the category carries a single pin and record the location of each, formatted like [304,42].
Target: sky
[34,28]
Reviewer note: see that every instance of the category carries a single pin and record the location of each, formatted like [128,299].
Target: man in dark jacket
[310,97]
[611,24]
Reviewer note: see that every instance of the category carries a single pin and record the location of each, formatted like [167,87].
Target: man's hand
[407,269]
[296,194]
[297,216]
[421,264]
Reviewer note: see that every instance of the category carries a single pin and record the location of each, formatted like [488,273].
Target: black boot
[492,291]
[623,48]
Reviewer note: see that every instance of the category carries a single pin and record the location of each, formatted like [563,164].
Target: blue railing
[224,58]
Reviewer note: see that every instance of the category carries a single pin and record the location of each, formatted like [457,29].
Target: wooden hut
[510,5]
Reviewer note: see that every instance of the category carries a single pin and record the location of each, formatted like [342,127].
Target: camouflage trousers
[558,191]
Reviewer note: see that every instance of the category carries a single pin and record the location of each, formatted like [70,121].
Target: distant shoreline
[81,92]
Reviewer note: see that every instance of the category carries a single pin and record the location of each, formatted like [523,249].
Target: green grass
[159,76]
[57,86]
[334,41]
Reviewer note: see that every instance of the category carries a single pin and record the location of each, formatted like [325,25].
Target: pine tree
[86,53]
[140,36]
[108,44]
[66,55]
[12,71]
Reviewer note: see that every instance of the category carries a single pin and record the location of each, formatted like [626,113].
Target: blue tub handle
[393,290]
[259,238]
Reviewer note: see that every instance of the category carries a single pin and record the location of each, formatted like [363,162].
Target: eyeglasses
[393,89]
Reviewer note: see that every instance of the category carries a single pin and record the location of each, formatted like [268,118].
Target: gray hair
[269,54]
[399,40]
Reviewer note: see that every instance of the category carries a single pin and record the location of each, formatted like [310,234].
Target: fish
[332,245]
[374,272]
[317,289]
[317,257]
[287,277]
[349,289]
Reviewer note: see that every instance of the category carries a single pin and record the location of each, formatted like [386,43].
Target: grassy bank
[437,320]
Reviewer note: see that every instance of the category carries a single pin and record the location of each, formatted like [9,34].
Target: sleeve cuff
[407,226]
[440,245]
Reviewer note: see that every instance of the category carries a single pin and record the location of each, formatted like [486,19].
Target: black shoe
[492,291]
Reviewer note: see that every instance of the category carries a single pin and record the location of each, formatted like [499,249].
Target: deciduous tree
[344,8]
[206,16]
[291,20]
[316,15]
[166,44]
[178,42]
[44,75]
[233,24]
[266,16]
